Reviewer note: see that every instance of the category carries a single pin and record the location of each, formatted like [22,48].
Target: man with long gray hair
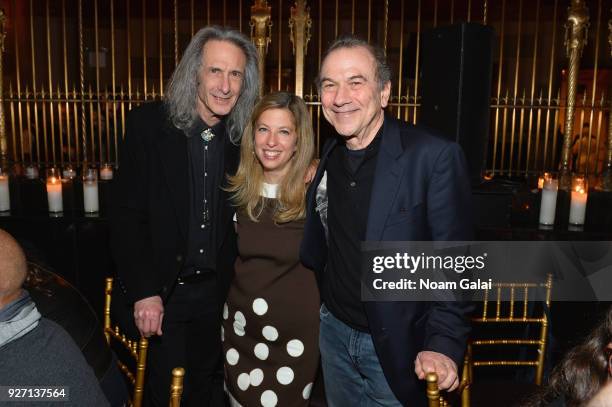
[171,224]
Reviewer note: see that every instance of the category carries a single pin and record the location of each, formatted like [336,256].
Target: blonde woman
[271,321]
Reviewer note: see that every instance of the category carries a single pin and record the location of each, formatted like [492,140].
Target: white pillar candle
[548,204]
[5,197]
[90,196]
[54,194]
[106,172]
[578,207]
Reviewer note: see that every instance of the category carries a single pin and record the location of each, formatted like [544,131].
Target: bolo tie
[207,135]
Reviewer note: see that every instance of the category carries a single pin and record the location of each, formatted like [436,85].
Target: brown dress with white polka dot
[271,318]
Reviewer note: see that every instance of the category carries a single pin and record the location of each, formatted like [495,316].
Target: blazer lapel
[172,148]
[386,179]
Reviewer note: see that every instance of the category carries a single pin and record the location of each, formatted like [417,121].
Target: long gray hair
[182,92]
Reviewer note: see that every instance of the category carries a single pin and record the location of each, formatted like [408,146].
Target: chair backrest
[515,306]
[176,388]
[136,349]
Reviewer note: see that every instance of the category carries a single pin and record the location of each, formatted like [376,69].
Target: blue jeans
[351,370]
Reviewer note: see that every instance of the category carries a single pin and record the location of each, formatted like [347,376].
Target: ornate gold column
[576,30]
[261,33]
[300,24]
[3,143]
[607,171]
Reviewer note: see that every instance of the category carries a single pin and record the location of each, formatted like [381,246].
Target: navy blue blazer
[421,191]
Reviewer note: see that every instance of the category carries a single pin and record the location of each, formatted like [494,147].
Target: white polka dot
[238,329]
[256,376]
[225,311]
[270,333]
[222,334]
[295,348]
[239,318]
[232,356]
[268,399]
[261,351]
[284,375]
[307,391]
[260,306]
[243,381]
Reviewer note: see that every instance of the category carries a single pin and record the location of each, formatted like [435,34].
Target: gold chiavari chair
[526,313]
[136,349]
[176,388]
[434,399]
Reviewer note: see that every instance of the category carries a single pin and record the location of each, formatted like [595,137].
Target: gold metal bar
[353,18]
[176,35]
[19,94]
[224,13]
[43,95]
[34,94]
[66,105]
[369,20]
[504,132]
[113,77]
[61,126]
[107,130]
[485,7]
[416,62]
[280,42]
[556,125]
[28,127]
[386,26]
[144,48]
[538,132]
[98,111]
[12,104]
[534,59]
[192,14]
[499,82]
[606,182]
[82,84]
[594,91]
[517,63]
[160,40]
[576,36]
[550,96]
[581,108]
[300,23]
[129,52]
[76,121]
[401,58]
[336,21]
[521,128]
[92,136]
[51,109]
[122,94]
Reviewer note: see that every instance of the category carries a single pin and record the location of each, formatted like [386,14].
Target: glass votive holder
[106,172]
[548,204]
[578,200]
[54,191]
[31,171]
[5,195]
[90,190]
[68,172]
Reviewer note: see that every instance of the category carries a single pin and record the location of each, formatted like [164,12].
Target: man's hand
[443,366]
[148,315]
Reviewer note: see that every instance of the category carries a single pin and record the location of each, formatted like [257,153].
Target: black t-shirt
[350,175]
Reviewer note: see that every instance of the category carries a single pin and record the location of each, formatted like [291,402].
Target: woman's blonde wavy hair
[247,184]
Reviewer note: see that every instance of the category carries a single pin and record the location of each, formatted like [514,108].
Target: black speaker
[456,87]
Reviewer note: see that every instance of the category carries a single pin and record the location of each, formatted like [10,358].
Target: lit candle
[5,197]
[54,194]
[578,201]
[548,204]
[106,172]
[540,183]
[90,190]
[31,172]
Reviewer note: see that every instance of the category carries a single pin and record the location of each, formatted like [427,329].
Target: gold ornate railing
[71,69]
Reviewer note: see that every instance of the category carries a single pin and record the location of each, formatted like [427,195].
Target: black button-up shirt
[350,176]
[205,176]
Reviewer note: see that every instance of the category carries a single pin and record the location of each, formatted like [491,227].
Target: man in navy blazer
[381,180]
